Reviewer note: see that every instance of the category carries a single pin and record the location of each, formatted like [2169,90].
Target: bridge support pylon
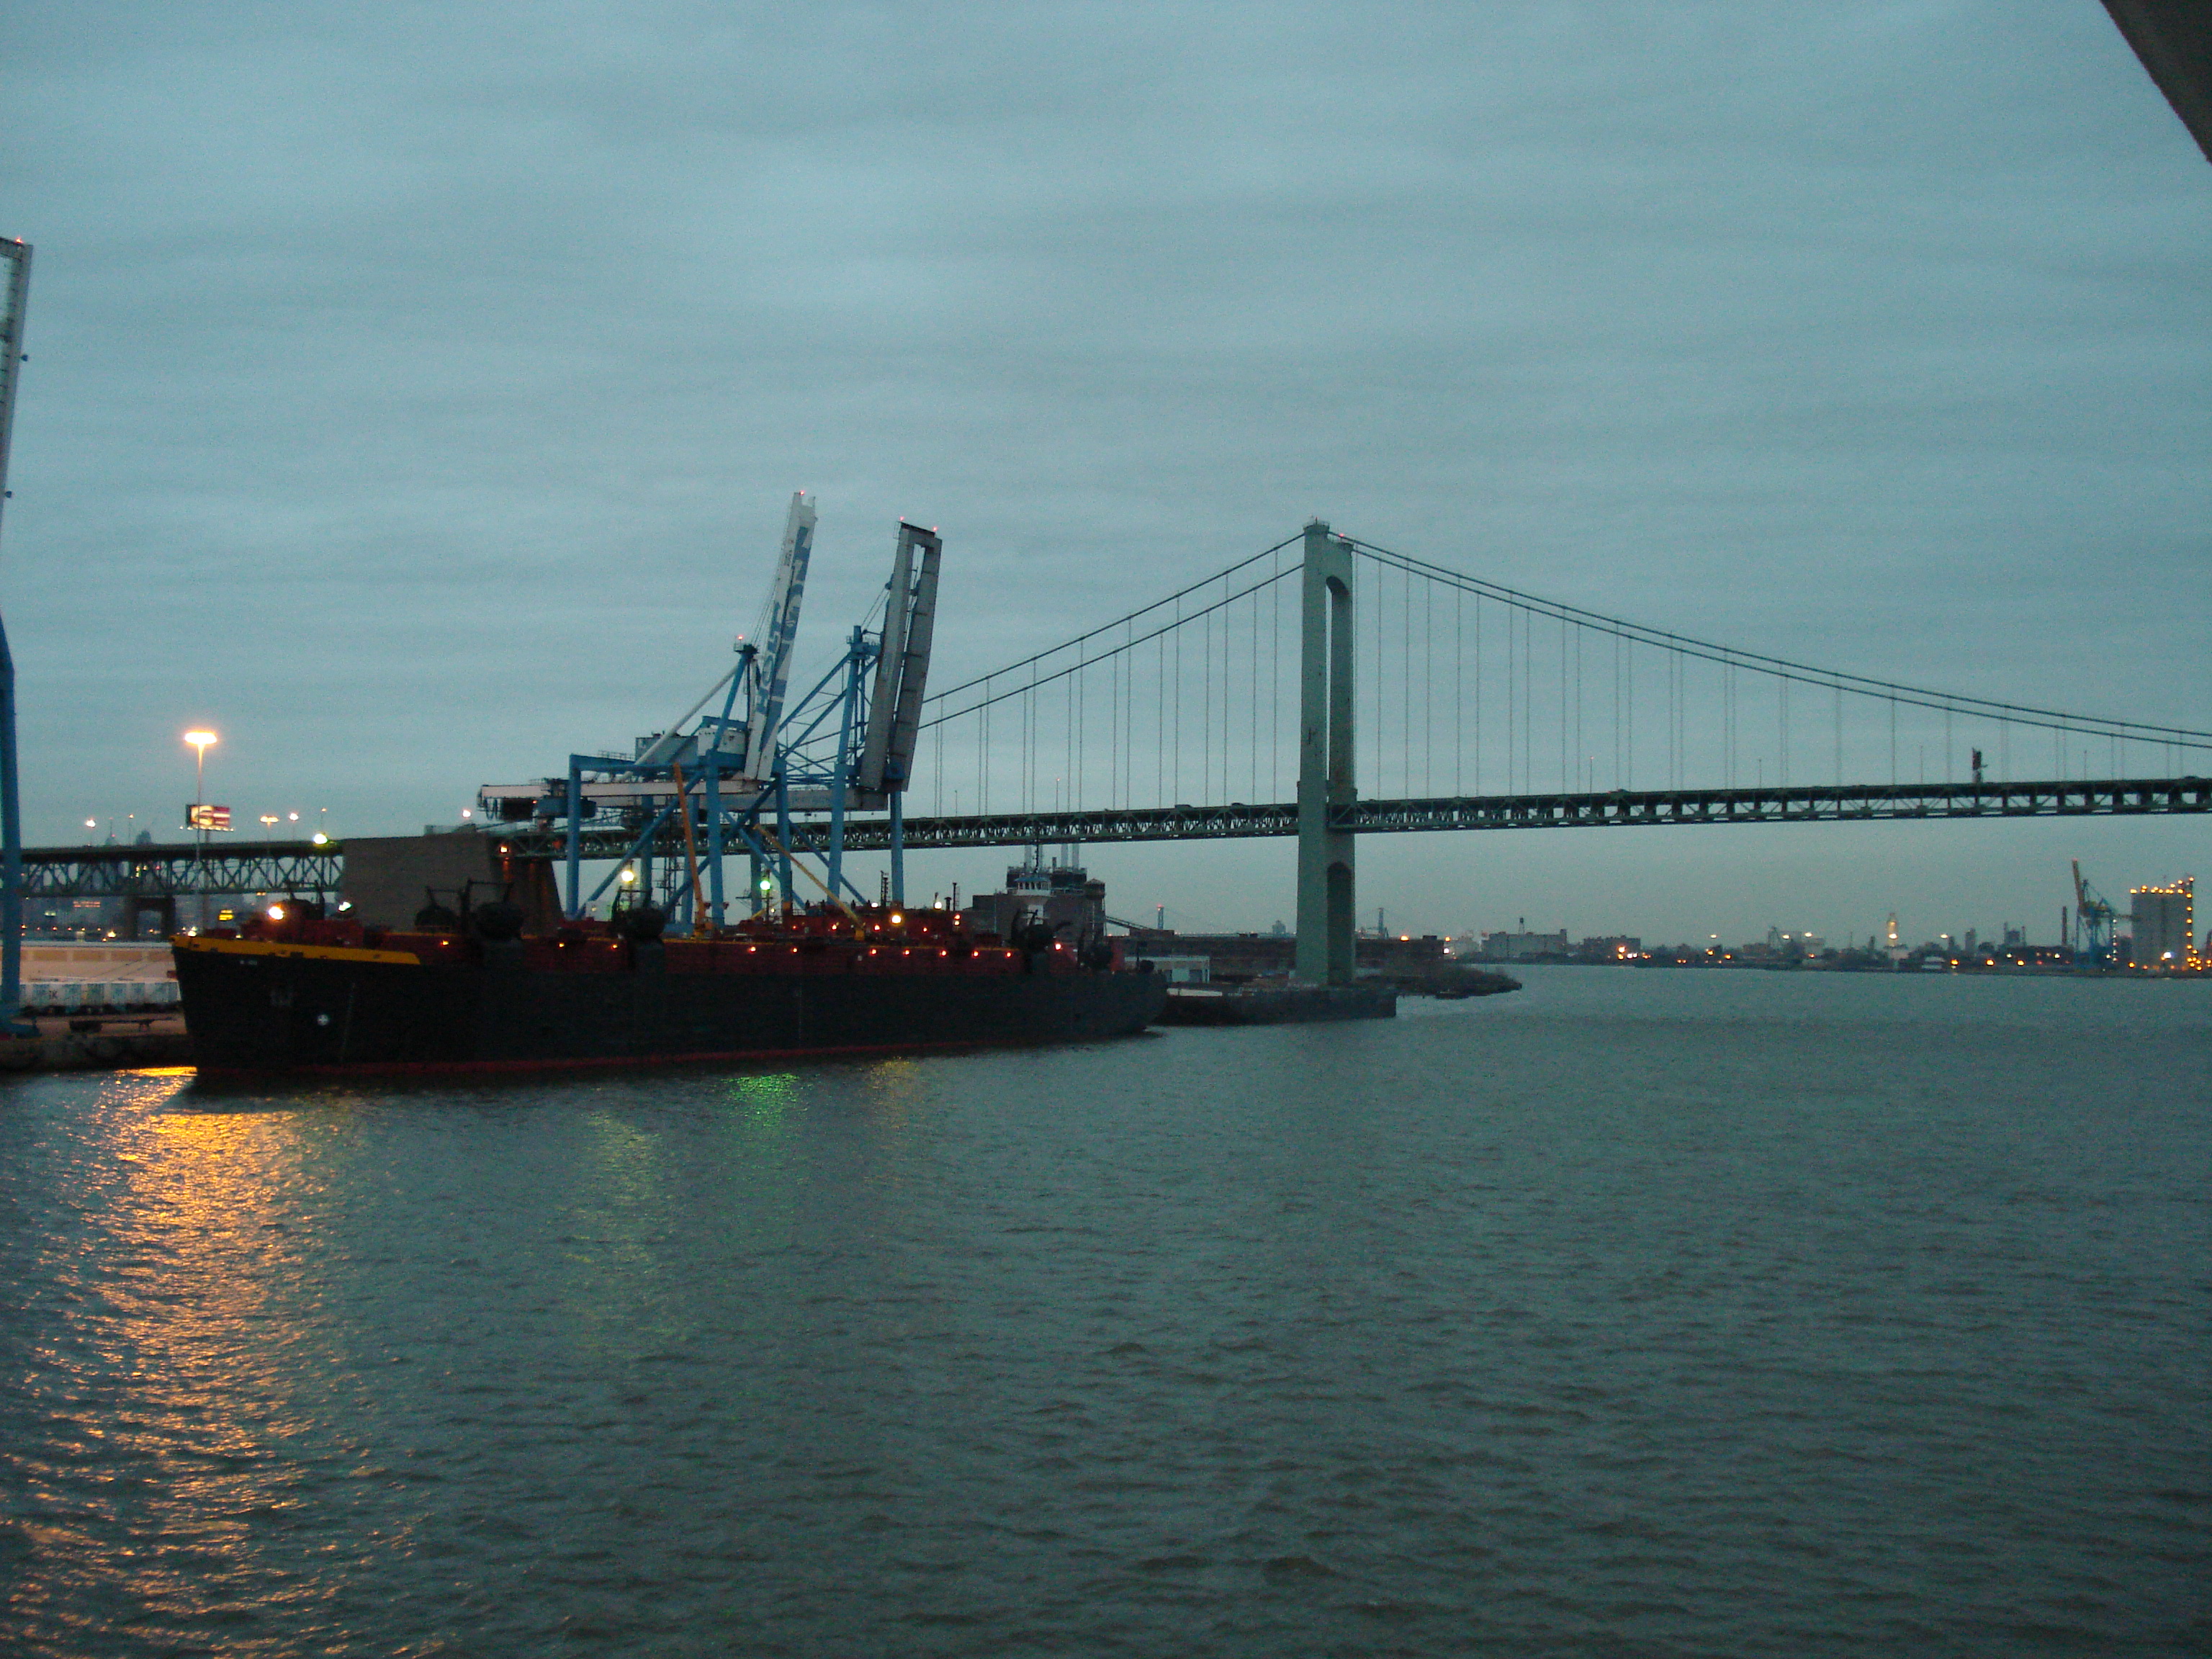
[1325,778]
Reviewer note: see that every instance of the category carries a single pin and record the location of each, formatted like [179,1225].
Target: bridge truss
[307,868]
[1645,809]
[302,867]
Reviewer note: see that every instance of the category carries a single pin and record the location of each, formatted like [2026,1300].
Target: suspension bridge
[1326,688]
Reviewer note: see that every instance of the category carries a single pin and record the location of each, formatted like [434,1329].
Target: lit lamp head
[628,876]
[200,740]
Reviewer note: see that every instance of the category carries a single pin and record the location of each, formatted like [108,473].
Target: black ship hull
[257,1010]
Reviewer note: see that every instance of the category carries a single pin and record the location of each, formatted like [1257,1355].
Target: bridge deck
[1651,808]
[304,868]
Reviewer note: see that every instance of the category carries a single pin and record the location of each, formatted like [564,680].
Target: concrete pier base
[114,1043]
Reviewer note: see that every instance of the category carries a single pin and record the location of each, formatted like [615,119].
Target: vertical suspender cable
[1617,783]
[1579,784]
[1160,721]
[1177,791]
[1428,694]
[1459,704]
[1405,690]
[1512,703]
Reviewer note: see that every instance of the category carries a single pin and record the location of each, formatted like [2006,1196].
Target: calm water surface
[1660,1313]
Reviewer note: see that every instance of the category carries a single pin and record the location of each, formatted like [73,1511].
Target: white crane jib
[767,670]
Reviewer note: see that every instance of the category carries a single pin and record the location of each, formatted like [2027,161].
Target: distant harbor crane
[2092,922]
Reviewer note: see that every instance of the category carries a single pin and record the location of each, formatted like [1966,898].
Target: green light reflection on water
[765,1100]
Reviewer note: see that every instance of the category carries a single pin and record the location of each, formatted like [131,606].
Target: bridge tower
[1325,779]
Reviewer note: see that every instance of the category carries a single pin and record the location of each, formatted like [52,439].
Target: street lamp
[199,741]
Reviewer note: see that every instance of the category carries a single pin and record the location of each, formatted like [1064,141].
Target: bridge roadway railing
[1616,809]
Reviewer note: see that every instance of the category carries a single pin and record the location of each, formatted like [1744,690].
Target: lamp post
[199,741]
[15,292]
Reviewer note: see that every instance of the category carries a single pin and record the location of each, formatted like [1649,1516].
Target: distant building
[1523,947]
[1611,947]
[2163,920]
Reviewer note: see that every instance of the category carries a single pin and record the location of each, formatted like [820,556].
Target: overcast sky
[415,392]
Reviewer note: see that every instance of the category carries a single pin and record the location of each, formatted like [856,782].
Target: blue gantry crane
[729,782]
[2092,923]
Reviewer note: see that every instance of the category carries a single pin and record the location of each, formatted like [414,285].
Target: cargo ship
[539,978]
[296,992]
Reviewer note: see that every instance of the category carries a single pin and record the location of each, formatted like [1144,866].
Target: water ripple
[1640,1313]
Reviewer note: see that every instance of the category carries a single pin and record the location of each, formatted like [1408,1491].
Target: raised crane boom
[768,669]
[902,667]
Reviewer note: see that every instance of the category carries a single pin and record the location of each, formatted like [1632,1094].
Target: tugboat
[293,991]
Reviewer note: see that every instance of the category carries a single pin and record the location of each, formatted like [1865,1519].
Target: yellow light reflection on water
[186,1297]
